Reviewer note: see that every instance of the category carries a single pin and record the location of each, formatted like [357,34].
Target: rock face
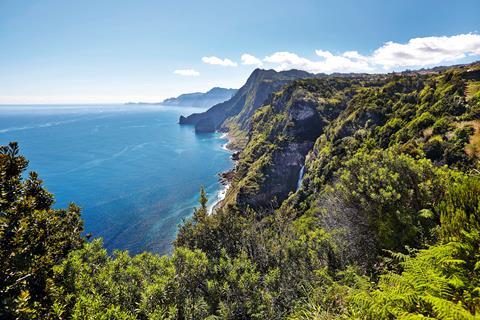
[182,120]
[236,156]
[204,126]
[283,131]
[282,177]
[199,99]
[239,109]
[226,177]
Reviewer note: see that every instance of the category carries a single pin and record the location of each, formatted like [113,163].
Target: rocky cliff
[320,122]
[283,131]
[238,110]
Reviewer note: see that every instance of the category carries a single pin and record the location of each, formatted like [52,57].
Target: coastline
[225,177]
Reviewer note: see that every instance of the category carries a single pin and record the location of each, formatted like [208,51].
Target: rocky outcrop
[236,156]
[283,132]
[204,126]
[281,177]
[239,109]
[182,120]
[226,177]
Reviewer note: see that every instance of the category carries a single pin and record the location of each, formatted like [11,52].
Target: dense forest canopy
[385,223]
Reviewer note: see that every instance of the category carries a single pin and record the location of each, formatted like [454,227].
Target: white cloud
[354,55]
[221,62]
[329,64]
[248,59]
[427,51]
[417,52]
[287,60]
[323,54]
[187,72]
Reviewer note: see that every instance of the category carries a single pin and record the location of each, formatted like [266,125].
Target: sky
[114,51]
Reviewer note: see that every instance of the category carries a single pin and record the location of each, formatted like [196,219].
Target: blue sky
[56,51]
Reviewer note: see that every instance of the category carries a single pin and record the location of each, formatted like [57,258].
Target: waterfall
[300,177]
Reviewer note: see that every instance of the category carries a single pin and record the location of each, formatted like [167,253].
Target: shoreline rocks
[226,177]
[235,156]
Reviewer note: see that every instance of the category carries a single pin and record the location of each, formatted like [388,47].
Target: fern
[447,310]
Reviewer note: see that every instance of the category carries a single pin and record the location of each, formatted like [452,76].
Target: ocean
[132,169]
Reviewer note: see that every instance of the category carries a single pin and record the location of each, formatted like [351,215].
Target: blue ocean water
[132,169]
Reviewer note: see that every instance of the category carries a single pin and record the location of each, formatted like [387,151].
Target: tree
[33,237]
[442,281]
[382,200]
[200,213]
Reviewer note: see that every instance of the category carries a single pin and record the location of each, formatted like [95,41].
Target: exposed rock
[266,178]
[205,126]
[282,177]
[227,176]
[236,156]
[182,120]
[240,108]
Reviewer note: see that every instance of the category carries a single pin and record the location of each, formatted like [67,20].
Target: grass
[472,88]
[237,137]
[473,147]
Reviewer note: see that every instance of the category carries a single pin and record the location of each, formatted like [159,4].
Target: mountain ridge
[199,99]
[247,99]
[326,106]
[196,99]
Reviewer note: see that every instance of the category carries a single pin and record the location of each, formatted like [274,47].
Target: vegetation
[385,225]
[237,112]
[33,237]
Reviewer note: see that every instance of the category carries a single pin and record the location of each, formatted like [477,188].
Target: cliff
[239,109]
[283,131]
[339,113]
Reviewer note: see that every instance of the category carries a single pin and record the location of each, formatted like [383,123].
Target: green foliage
[460,211]
[33,237]
[442,126]
[385,225]
[378,198]
[90,281]
[440,282]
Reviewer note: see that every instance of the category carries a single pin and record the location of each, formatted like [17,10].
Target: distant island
[196,99]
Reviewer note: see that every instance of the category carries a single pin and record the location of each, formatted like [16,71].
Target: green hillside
[385,223]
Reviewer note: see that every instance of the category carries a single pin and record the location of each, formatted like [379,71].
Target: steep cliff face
[386,123]
[239,109]
[283,131]
[321,122]
[205,125]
